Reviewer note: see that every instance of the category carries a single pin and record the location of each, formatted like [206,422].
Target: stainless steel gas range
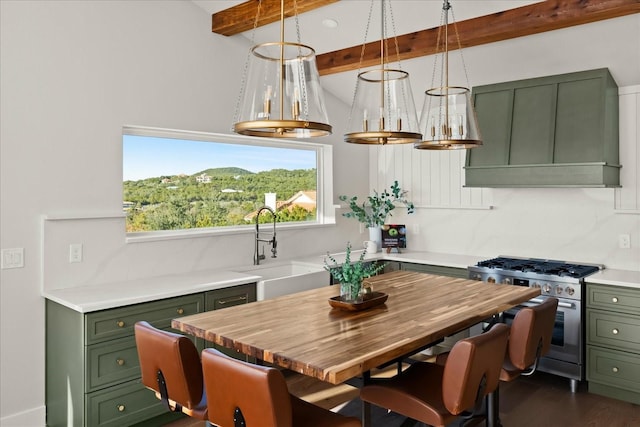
[560,279]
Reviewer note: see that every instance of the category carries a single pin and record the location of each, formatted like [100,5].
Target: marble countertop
[626,278]
[90,298]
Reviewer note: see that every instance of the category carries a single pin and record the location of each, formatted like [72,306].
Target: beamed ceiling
[507,24]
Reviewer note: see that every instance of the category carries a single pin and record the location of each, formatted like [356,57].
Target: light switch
[13,258]
[75,252]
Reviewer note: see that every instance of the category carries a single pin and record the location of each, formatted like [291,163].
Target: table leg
[366,406]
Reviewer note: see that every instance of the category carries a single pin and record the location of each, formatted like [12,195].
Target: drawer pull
[615,331]
[121,408]
[120,362]
[227,301]
[615,369]
[120,323]
[180,310]
[614,299]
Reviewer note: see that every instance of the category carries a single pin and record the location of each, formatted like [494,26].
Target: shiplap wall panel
[627,198]
[435,179]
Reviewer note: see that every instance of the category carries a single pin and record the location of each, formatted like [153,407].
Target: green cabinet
[555,131]
[435,269]
[613,341]
[92,367]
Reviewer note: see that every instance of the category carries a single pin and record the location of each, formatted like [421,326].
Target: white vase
[375,234]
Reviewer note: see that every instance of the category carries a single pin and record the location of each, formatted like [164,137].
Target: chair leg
[493,409]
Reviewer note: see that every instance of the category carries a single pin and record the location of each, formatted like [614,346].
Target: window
[181,180]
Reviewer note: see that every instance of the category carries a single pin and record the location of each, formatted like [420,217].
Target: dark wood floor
[541,400]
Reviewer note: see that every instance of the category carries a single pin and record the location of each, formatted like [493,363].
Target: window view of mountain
[218,197]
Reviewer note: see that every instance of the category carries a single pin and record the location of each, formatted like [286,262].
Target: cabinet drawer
[118,323]
[614,368]
[112,362]
[614,298]
[613,330]
[122,405]
[228,297]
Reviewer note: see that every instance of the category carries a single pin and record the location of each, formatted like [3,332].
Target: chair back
[531,333]
[170,365]
[241,393]
[472,369]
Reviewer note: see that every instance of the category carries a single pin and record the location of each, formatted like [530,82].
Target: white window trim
[326,210]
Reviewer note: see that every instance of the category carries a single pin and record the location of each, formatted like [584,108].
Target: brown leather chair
[244,394]
[436,394]
[529,340]
[170,366]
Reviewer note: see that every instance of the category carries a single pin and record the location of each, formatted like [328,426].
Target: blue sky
[146,157]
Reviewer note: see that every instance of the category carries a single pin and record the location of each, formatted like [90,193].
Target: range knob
[570,291]
[506,280]
[546,288]
[558,290]
[491,280]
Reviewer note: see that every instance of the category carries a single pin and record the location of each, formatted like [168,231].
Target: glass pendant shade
[383,111]
[281,95]
[448,120]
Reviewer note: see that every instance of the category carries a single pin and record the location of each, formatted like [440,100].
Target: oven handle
[560,303]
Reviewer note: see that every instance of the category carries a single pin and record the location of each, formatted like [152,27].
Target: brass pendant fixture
[383,111]
[281,95]
[448,119]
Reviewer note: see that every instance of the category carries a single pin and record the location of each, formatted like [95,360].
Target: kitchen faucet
[257,256]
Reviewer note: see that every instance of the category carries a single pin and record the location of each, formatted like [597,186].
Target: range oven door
[566,343]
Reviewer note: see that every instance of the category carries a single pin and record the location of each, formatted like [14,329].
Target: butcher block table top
[303,333]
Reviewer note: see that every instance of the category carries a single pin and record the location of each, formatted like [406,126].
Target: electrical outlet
[12,258]
[75,252]
[624,241]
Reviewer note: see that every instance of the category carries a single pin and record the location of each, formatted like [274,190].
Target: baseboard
[31,418]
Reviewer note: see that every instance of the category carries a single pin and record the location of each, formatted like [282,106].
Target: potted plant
[374,211]
[351,274]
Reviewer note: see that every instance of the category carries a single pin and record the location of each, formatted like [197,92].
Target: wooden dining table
[303,333]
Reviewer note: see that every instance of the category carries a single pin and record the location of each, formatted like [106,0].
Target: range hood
[554,131]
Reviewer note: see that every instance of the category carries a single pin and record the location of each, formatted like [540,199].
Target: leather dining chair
[171,367]
[243,394]
[437,395]
[529,340]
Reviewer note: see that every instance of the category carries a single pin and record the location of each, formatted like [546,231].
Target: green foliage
[374,212]
[352,274]
[180,201]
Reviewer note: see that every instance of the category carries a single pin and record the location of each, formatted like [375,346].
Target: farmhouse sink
[287,278]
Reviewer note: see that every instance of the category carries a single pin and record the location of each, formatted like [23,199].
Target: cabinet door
[494,111]
[533,125]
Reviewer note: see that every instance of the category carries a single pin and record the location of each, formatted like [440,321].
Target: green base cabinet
[613,342]
[554,131]
[439,270]
[92,367]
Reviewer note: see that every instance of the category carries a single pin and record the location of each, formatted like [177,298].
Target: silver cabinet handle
[180,310]
[121,408]
[120,362]
[615,331]
[615,369]
[614,299]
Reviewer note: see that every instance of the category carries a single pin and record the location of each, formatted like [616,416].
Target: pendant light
[448,120]
[281,95]
[383,111]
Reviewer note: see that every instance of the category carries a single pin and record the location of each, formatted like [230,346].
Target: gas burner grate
[549,267]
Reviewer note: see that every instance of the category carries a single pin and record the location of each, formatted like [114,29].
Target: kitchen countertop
[625,278]
[90,298]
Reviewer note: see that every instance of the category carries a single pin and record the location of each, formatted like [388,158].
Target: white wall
[73,73]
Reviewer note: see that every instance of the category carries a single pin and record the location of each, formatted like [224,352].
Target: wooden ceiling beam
[241,18]
[523,21]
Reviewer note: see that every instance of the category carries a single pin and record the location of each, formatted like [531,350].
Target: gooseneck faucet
[257,256]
